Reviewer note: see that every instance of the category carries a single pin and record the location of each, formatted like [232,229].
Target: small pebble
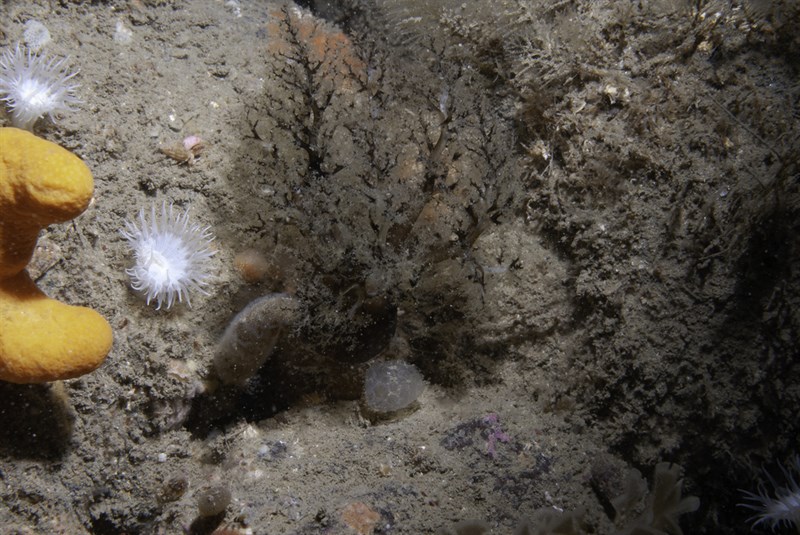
[252,265]
[174,489]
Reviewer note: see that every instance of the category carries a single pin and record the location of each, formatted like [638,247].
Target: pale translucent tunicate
[392,385]
[251,335]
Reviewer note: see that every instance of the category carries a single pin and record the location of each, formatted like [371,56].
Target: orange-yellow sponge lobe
[41,339]
[40,184]
[45,340]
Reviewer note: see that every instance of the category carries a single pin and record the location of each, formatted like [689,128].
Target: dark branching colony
[378,182]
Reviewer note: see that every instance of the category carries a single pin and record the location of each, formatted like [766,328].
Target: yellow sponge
[41,339]
[45,340]
[40,184]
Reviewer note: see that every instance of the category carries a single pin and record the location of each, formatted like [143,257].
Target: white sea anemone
[778,504]
[34,85]
[171,255]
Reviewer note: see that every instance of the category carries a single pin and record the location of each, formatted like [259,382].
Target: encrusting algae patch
[41,339]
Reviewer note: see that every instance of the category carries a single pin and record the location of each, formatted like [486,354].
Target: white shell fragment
[35,35]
